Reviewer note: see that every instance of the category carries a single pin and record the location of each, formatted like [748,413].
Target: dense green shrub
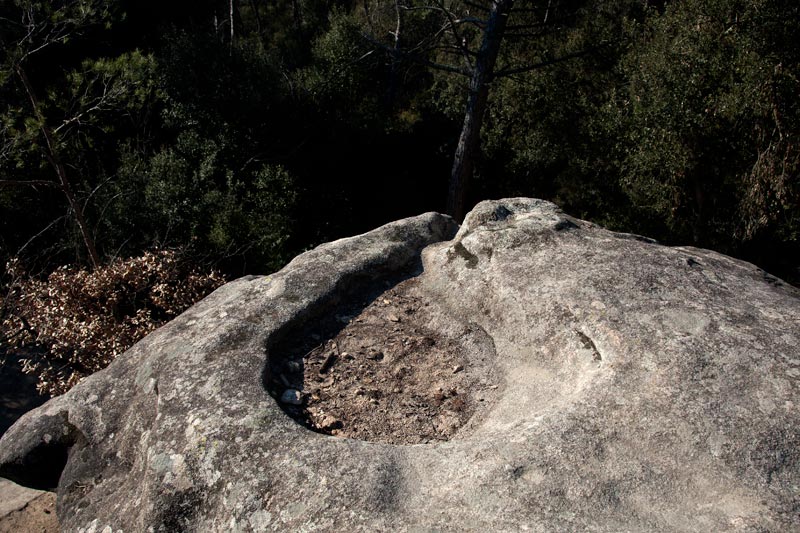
[709,123]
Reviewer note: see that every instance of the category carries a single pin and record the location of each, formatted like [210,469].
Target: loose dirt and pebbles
[386,373]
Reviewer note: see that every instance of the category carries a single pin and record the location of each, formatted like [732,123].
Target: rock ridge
[637,387]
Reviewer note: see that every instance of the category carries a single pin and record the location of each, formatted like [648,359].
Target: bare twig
[327,363]
[29,183]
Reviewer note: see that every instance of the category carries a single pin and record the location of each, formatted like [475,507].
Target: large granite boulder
[615,385]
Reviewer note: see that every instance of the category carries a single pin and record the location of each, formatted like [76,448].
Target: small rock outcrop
[589,380]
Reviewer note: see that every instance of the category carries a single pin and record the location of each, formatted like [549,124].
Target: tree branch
[416,58]
[51,153]
[461,42]
[528,68]
[28,183]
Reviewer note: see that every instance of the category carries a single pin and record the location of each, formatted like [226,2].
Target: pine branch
[528,68]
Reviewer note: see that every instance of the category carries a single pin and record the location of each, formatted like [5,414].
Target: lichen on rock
[609,383]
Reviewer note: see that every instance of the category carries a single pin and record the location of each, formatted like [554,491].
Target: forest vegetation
[149,150]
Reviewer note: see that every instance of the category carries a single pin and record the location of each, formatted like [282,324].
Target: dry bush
[76,322]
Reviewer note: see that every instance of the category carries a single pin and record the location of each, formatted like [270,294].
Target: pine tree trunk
[469,140]
[230,20]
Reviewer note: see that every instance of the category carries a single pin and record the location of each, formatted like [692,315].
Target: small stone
[329,422]
[375,355]
[394,318]
[457,369]
[292,397]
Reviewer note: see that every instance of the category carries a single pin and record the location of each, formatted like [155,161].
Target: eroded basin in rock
[392,366]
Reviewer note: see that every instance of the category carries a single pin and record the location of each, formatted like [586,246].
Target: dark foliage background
[244,131]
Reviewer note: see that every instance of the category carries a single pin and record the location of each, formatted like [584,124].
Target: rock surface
[641,388]
[13,497]
[26,510]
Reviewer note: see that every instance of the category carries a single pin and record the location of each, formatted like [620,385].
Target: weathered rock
[643,388]
[24,510]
